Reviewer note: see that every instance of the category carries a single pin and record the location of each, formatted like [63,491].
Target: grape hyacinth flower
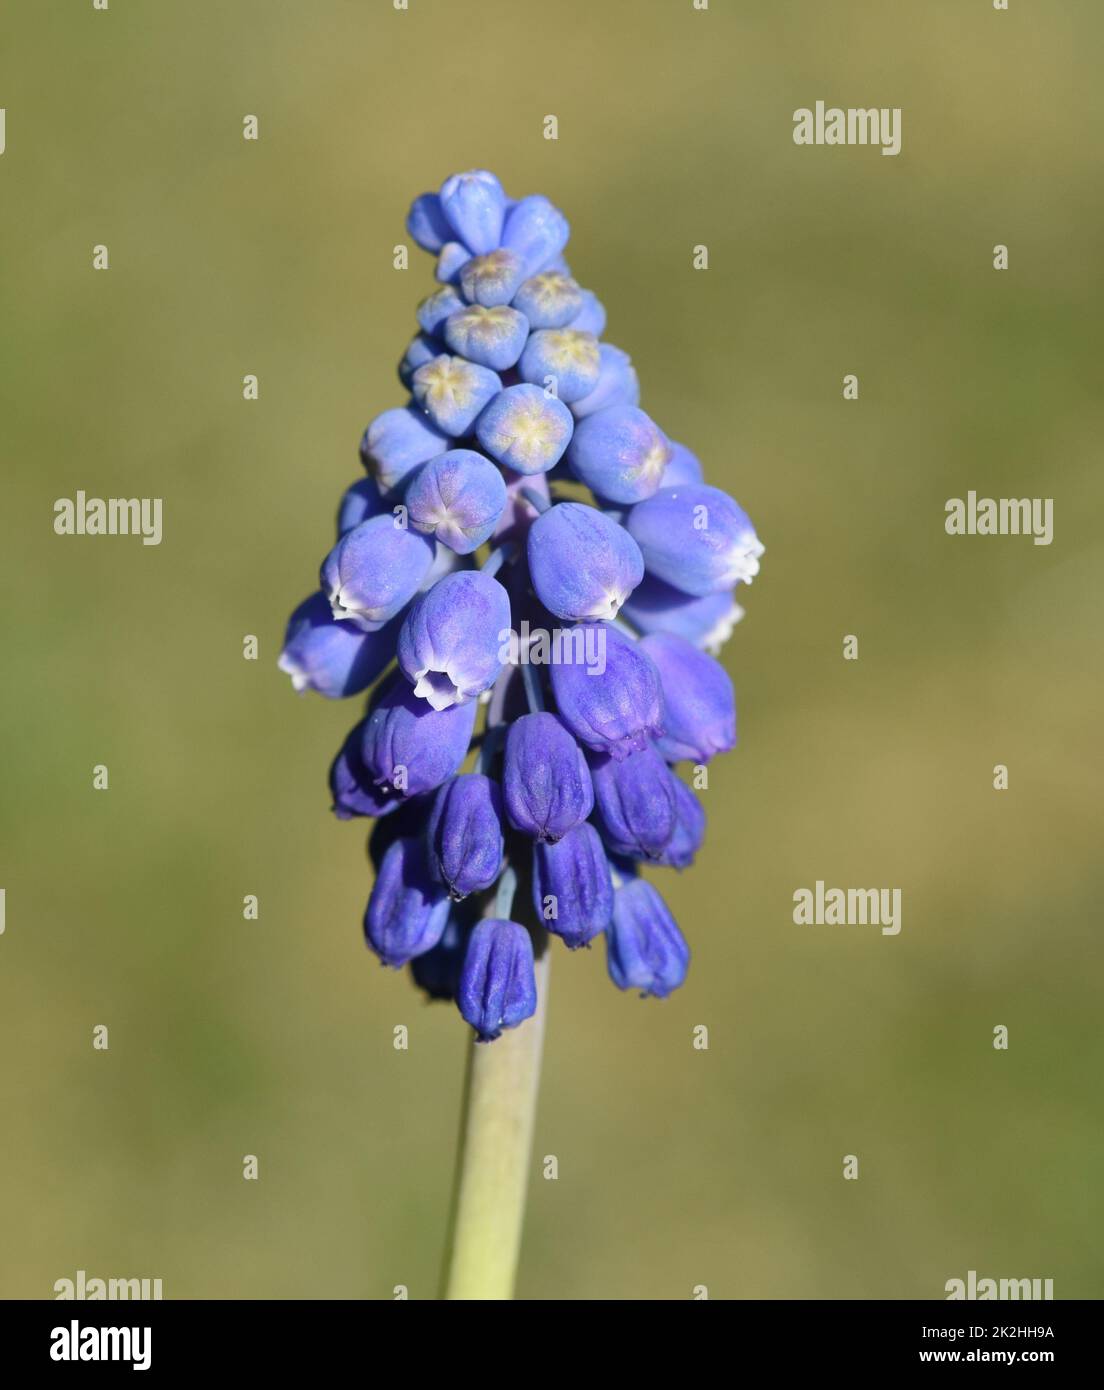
[536,662]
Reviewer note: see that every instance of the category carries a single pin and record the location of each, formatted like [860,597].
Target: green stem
[492,1166]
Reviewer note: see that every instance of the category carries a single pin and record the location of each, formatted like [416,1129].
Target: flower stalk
[494,1156]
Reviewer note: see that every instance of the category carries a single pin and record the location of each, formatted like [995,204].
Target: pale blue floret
[525,429]
[695,537]
[563,360]
[491,337]
[457,498]
[453,391]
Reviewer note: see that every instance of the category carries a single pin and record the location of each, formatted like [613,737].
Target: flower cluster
[577,623]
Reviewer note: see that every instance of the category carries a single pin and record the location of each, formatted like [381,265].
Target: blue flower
[493,279]
[421,349]
[644,948]
[427,223]
[689,832]
[683,467]
[617,384]
[491,337]
[453,391]
[699,702]
[374,570]
[545,779]
[572,887]
[583,565]
[600,604]
[563,361]
[497,985]
[707,621]
[474,205]
[550,300]
[608,691]
[407,747]
[591,317]
[452,260]
[537,231]
[397,441]
[436,308]
[635,801]
[465,834]
[336,659]
[458,498]
[353,789]
[525,429]
[407,911]
[451,642]
[695,537]
[619,452]
[437,971]
[358,502]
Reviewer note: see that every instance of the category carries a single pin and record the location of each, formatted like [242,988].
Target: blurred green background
[274,1038]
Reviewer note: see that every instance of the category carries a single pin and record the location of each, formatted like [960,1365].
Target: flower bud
[591,317]
[407,912]
[436,308]
[583,565]
[452,638]
[696,538]
[474,205]
[458,498]
[683,467]
[336,659]
[654,606]
[608,691]
[452,392]
[549,300]
[374,570]
[689,833]
[498,988]
[698,700]
[427,224]
[465,834]
[617,383]
[569,358]
[490,337]
[437,971]
[635,802]
[352,788]
[525,429]
[572,888]
[397,441]
[546,784]
[619,452]
[421,349]
[452,260]
[493,279]
[537,231]
[407,747]
[644,948]
[358,503]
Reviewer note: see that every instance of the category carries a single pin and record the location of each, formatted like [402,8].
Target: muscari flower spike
[458,562]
